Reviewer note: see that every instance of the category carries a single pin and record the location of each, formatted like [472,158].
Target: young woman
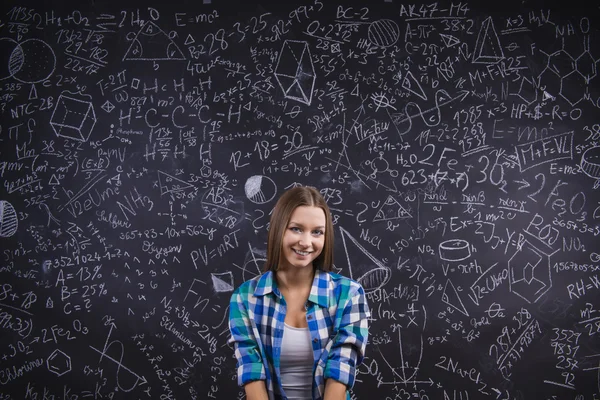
[299,330]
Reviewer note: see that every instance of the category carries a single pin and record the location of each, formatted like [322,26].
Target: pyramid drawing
[449,40]
[222,282]
[295,71]
[488,49]
[370,272]
[170,184]
[450,296]
[153,44]
[391,210]
[412,85]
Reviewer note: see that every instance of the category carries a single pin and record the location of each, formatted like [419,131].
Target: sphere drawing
[8,219]
[384,33]
[32,61]
[260,189]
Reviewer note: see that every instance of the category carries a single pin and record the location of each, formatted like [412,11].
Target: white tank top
[296,363]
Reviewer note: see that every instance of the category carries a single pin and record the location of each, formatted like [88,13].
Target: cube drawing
[73,118]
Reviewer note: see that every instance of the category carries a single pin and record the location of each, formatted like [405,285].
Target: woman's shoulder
[248,287]
[342,283]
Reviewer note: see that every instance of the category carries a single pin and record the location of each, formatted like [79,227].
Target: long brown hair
[280,218]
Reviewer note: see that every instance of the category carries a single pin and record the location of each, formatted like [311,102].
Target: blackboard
[143,145]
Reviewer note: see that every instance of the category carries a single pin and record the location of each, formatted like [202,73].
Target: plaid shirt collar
[320,292]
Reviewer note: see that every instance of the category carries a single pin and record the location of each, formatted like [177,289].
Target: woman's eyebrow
[299,224]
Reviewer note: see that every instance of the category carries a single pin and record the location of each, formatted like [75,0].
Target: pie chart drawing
[8,219]
[260,189]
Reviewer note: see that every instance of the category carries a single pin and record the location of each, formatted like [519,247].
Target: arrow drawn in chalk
[140,380]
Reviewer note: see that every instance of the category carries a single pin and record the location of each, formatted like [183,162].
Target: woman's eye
[295,229]
[318,232]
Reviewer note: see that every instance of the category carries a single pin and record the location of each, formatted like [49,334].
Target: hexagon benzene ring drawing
[59,363]
[529,272]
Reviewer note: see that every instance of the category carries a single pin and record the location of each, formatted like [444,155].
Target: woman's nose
[304,241]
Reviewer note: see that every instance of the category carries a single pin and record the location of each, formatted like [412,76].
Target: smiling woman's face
[304,238]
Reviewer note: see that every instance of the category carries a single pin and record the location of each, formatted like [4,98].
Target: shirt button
[315,340]
[309,317]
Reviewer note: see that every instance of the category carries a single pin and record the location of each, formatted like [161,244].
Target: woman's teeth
[302,253]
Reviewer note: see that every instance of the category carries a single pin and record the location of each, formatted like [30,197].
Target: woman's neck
[295,280]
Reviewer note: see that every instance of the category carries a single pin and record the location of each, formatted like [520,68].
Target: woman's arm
[257,390]
[334,390]
[250,366]
[350,341]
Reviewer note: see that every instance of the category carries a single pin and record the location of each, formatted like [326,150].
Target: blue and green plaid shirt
[337,314]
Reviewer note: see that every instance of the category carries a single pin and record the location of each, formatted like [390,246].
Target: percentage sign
[96,272]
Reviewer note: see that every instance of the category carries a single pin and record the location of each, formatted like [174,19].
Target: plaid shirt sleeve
[249,361]
[348,349]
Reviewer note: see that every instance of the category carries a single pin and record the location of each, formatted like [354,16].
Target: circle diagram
[260,189]
[30,61]
[384,33]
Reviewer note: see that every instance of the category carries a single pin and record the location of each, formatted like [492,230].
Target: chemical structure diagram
[574,73]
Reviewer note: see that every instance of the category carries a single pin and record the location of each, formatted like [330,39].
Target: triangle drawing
[222,282]
[152,43]
[189,40]
[548,96]
[450,296]
[391,210]
[488,49]
[294,90]
[449,40]
[170,184]
[33,92]
[53,180]
[412,85]
[367,270]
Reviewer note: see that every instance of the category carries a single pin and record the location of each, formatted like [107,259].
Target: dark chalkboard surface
[142,147]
